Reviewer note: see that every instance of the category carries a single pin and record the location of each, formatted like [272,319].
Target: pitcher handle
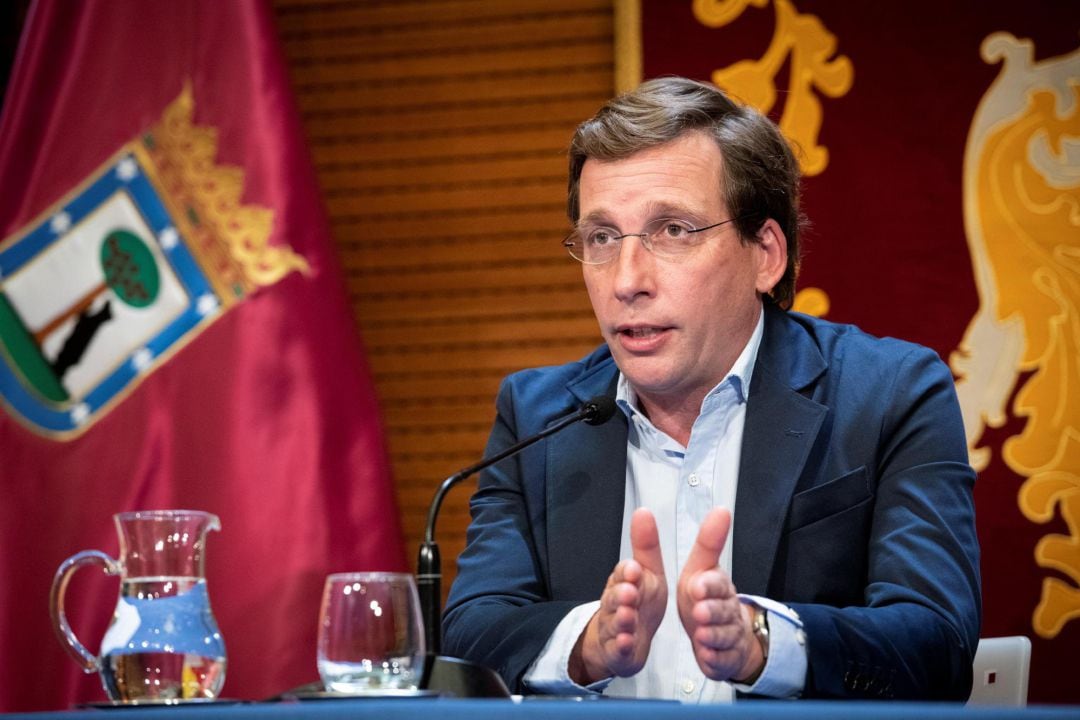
[90,663]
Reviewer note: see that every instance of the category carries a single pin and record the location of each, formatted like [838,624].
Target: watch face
[760,629]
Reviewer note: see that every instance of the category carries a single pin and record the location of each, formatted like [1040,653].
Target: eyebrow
[654,211]
[597,217]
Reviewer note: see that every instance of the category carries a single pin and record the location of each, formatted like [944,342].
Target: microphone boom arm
[429,564]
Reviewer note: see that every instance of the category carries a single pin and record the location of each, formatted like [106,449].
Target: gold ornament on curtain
[809,45]
[1022,219]
[229,238]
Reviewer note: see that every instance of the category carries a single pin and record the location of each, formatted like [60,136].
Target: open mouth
[641,332]
[642,339]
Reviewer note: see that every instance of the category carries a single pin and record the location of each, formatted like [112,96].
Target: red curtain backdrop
[891,242]
[267,417]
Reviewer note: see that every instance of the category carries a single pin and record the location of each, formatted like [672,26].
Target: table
[560,709]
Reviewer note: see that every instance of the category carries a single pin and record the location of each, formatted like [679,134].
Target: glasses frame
[570,244]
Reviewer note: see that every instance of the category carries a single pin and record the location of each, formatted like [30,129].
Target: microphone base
[462,678]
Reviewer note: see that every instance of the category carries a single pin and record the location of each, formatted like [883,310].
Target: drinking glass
[371,637]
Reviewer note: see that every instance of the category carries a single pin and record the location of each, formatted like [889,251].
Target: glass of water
[371,637]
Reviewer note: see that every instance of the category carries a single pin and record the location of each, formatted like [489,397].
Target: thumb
[645,541]
[709,543]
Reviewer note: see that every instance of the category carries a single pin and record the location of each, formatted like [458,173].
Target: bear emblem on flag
[116,276]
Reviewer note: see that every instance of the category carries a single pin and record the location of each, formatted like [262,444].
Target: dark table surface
[563,709]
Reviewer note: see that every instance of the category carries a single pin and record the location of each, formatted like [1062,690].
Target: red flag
[248,395]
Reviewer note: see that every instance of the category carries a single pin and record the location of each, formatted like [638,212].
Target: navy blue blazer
[854,506]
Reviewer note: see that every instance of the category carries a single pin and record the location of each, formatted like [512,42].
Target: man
[599,560]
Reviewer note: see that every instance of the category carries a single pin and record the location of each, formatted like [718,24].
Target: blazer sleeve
[915,633]
[500,612]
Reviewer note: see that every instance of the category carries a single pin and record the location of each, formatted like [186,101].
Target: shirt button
[800,637]
[688,686]
[694,480]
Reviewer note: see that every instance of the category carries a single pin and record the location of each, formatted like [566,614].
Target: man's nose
[633,269]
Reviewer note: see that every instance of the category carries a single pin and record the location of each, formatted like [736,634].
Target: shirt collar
[739,375]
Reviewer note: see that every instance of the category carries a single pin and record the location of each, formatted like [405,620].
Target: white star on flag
[126,169]
[60,222]
[142,359]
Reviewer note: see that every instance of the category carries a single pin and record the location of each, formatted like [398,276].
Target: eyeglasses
[664,237]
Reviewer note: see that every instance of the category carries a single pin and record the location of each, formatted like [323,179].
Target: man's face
[674,326]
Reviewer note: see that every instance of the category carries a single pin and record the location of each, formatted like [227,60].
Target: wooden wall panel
[439,132]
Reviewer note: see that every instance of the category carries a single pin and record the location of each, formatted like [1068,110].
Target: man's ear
[771,245]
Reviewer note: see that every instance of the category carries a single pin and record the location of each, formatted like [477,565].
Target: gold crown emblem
[228,239]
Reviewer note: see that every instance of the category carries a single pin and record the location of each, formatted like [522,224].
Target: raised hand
[719,625]
[616,641]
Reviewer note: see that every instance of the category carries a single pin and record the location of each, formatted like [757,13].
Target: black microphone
[596,411]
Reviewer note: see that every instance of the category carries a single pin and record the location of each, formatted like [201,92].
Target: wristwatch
[760,627]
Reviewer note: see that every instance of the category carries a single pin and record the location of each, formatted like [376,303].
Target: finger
[624,644]
[645,541]
[717,612]
[627,571]
[711,584]
[620,595]
[710,542]
[717,637]
[716,664]
[619,632]
[625,619]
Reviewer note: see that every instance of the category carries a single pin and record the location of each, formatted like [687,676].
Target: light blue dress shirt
[680,485]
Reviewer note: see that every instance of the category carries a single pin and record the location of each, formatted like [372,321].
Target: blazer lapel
[780,430]
[586,488]
[586,482]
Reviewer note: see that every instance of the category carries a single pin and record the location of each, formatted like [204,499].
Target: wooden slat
[498,249]
[513,330]
[496,315]
[564,106]
[343,176]
[453,197]
[551,352]
[377,229]
[297,18]
[439,131]
[483,84]
[438,143]
[537,55]
[381,304]
[406,442]
[418,391]
[435,38]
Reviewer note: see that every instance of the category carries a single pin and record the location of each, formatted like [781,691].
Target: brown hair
[761,175]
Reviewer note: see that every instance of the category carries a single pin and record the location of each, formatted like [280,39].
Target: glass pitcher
[163,644]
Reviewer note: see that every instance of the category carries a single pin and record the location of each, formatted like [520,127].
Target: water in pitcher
[163,643]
